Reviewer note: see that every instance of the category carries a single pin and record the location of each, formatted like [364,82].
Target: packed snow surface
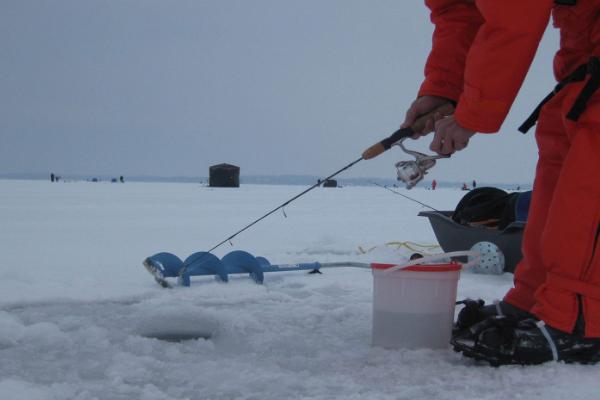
[77,307]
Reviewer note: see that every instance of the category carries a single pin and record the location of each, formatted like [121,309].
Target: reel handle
[387,143]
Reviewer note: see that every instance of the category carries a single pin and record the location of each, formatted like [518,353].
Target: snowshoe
[507,340]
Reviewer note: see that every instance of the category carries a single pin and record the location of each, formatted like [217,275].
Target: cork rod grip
[419,125]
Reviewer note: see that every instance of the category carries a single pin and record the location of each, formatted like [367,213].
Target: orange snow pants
[559,275]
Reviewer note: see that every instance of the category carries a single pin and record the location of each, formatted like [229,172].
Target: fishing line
[319,182]
[403,195]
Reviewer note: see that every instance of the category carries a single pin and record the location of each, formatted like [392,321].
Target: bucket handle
[435,257]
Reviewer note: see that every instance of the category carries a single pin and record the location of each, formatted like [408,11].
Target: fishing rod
[403,195]
[417,169]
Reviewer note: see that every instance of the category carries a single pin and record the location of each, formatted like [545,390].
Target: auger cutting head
[413,171]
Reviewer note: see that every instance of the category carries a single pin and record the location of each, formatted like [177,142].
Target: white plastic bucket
[413,307]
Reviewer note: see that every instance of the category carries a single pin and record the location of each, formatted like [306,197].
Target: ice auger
[168,265]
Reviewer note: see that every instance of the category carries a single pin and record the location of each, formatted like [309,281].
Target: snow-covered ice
[76,304]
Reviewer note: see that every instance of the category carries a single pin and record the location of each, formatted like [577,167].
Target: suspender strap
[576,76]
[593,68]
[535,115]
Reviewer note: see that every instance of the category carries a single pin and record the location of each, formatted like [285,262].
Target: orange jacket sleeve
[456,24]
[499,59]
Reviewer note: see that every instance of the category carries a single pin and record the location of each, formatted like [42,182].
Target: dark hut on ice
[224,175]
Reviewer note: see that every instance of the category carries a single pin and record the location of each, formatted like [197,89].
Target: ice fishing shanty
[330,183]
[224,175]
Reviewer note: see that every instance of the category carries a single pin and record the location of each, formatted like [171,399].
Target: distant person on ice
[433,184]
[482,50]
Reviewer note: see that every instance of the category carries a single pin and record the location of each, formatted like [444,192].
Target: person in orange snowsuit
[482,50]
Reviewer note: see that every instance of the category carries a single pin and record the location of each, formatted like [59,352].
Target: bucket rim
[445,267]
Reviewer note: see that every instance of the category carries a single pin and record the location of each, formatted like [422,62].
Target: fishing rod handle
[419,125]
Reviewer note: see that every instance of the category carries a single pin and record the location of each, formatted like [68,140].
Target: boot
[506,340]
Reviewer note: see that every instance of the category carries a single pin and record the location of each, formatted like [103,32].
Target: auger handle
[419,125]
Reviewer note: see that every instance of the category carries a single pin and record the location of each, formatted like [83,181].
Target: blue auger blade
[264,263]
[241,261]
[203,263]
[168,264]
[163,265]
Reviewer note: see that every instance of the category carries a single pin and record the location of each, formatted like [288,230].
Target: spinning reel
[413,171]
[410,172]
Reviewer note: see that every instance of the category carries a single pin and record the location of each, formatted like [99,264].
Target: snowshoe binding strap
[542,327]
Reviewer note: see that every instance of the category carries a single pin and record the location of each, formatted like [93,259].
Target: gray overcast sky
[169,88]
